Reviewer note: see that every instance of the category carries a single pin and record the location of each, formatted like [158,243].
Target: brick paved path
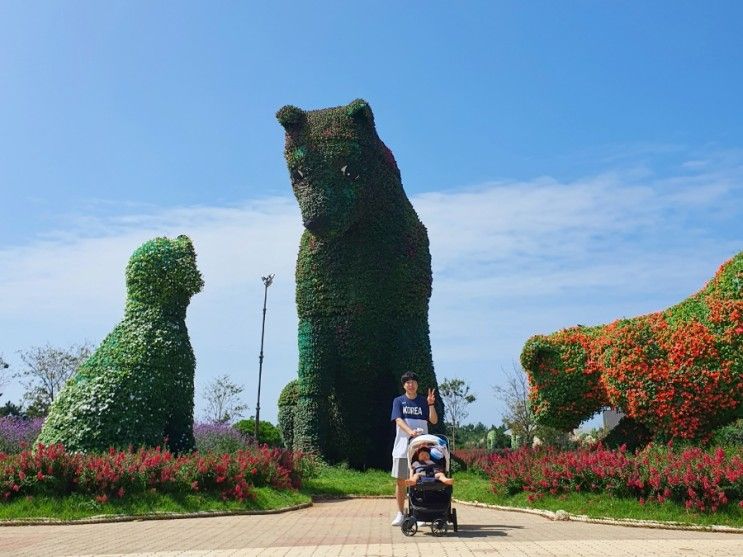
[360,527]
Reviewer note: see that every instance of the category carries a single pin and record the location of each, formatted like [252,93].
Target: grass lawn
[76,507]
[340,481]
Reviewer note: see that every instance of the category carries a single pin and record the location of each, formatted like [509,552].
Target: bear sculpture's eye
[349,172]
[297,174]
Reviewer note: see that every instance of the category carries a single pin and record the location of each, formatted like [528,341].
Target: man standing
[411,413]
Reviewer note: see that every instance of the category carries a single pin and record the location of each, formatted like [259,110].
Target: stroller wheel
[409,526]
[439,527]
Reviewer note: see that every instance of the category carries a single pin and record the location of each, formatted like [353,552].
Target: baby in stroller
[425,469]
[429,488]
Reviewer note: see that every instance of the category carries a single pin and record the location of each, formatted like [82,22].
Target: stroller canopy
[429,441]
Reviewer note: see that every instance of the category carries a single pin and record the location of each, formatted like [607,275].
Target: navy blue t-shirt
[414,409]
[415,413]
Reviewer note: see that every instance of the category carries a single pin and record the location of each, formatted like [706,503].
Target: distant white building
[611,418]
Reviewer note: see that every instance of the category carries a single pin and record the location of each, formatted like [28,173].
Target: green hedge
[268,433]
[287,405]
[138,387]
[363,284]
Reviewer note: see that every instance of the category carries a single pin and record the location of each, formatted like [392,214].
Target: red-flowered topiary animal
[679,371]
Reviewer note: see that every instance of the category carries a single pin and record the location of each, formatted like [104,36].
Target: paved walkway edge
[563,515]
[331,497]
[152,516]
[551,515]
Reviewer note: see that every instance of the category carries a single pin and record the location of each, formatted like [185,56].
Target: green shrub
[287,406]
[729,435]
[267,432]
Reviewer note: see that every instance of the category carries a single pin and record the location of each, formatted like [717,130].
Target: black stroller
[429,500]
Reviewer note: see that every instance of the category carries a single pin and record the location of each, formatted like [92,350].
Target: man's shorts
[400,468]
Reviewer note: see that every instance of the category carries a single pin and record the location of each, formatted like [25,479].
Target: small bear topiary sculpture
[363,285]
[679,372]
[287,407]
[137,388]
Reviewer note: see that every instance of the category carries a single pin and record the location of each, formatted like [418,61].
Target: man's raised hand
[431,396]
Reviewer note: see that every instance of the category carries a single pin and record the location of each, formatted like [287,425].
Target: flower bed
[52,471]
[698,479]
[475,460]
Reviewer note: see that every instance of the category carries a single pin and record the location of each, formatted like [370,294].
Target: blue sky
[574,162]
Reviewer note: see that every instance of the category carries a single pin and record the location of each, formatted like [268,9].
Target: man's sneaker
[398,519]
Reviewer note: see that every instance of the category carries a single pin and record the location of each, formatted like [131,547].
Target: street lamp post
[267,282]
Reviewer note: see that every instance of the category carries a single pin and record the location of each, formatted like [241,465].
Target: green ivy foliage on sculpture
[287,405]
[678,372]
[363,284]
[138,387]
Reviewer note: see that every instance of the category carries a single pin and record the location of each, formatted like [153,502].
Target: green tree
[497,438]
[11,409]
[267,432]
[472,436]
[457,397]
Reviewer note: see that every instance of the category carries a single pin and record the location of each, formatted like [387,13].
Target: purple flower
[219,438]
[16,432]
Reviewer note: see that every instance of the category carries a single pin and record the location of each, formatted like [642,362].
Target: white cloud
[510,259]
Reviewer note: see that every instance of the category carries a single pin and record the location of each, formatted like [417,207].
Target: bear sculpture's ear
[360,109]
[291,117]
[537,351]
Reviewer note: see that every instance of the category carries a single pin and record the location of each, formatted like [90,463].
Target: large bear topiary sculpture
[363,285]
[137,388]
[678,372]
